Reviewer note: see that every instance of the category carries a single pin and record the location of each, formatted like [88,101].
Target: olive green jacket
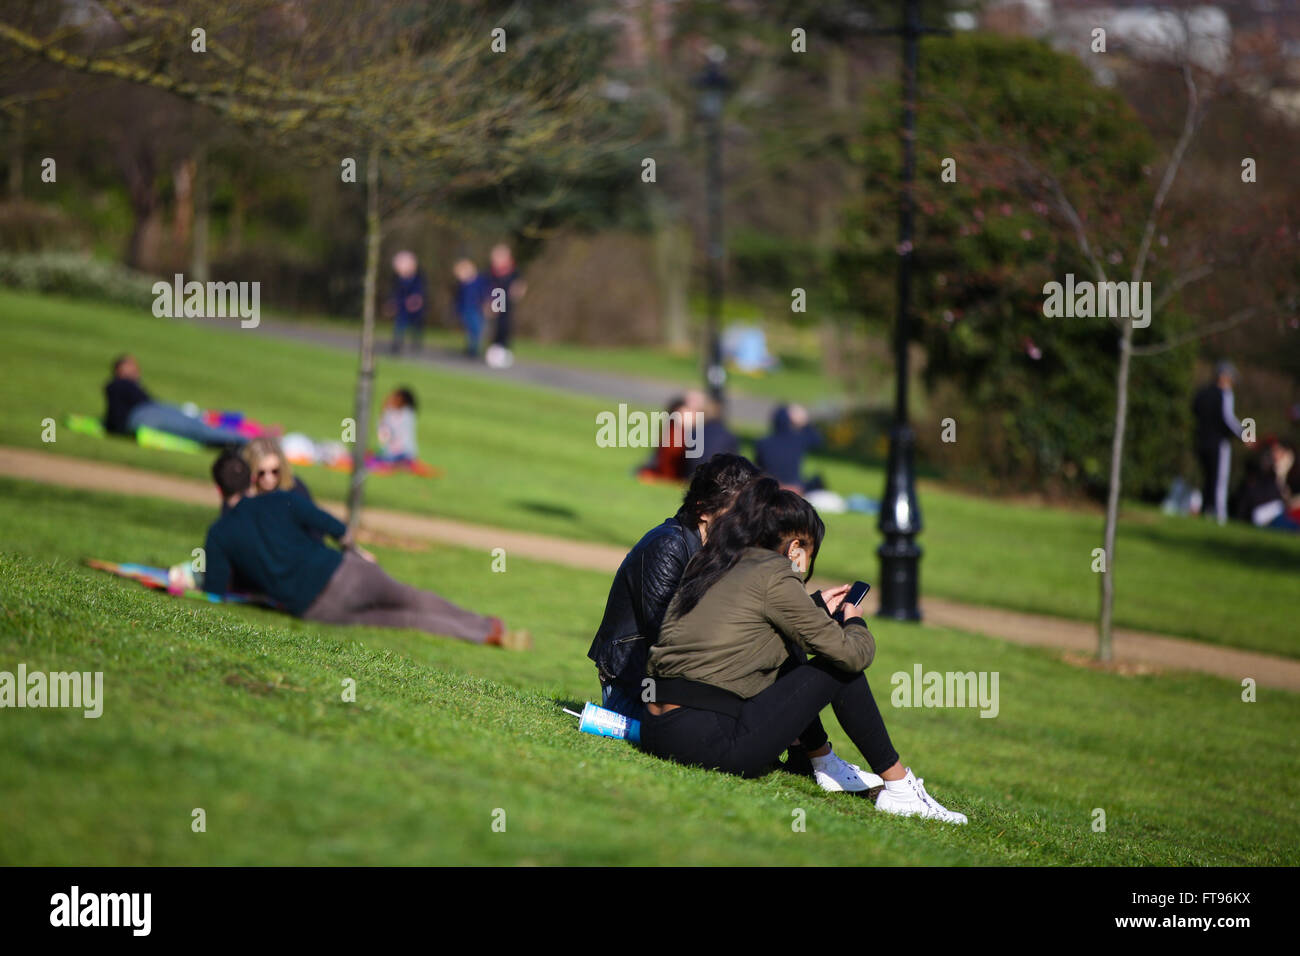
[733,637]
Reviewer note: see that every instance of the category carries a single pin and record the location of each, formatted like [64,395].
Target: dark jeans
[501,334]
[362,593]
[472,320]
[748,745]
[407,326]
[1215,461]
[622,700]
[626,700]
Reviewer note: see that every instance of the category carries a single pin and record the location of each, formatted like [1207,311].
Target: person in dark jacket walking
[1216,428]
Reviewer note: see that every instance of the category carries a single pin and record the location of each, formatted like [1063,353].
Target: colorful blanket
[300,451]
[156,579]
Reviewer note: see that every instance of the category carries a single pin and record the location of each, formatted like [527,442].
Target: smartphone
[856,595]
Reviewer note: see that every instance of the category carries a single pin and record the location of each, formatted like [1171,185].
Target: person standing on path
[1216,428]
[409,300]
[505,287]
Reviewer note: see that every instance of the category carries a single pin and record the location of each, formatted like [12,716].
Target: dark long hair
[763,516]
[716,484]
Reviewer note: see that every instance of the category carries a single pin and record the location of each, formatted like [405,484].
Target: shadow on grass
[1271,550]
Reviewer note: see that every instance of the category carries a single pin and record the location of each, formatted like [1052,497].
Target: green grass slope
[239,711]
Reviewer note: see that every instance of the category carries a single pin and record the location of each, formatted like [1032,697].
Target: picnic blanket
[156,579]
[147,437]
[299,449]
[336,456]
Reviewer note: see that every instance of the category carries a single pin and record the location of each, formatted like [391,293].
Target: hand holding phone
[857,594]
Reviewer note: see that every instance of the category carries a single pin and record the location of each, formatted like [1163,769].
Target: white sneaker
[832,772]
[912,800]
[498,356]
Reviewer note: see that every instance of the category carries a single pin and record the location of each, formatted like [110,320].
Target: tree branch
[1159,348]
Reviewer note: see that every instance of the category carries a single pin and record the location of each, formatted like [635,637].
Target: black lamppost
[713,84]
[900,512]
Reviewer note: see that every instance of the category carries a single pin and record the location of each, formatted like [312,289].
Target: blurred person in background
[396,430]
[128,408]
[470,300]
[1216,429]
[781,453]
[1265,498]
[716,438]
[408,300]
[505,288]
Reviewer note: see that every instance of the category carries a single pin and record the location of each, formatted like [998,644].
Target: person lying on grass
[266,539]
[128,408]
[725,696]
[638,598]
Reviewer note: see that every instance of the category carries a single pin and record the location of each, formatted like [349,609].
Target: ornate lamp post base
[900,521]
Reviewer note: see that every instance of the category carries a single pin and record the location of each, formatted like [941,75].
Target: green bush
[76,275]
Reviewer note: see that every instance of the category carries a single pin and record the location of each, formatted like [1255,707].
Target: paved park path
[741,409]
[1135,651]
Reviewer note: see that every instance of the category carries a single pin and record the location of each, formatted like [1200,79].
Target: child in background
[397,428]
[408,300]
[471,294]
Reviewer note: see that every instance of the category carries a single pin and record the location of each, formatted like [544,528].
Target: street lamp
[713,84]
[900,512]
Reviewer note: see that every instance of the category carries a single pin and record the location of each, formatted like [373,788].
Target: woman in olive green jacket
[725,696]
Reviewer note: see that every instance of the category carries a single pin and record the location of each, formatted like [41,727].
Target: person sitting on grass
[724,697]
[645,584]
[781,453]
[266,540]
[396,431]
[128,408]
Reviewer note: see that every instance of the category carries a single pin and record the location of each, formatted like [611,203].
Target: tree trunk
[202,217]
[672,248]
[183,221]
[17,122]
[366,375]
[1104,647]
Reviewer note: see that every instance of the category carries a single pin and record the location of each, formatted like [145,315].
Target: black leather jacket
[644,585]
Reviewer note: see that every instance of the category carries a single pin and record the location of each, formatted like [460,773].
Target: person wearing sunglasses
[271,471]
[262,539]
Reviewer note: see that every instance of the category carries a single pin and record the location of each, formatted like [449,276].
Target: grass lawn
[526,458]
[238,711]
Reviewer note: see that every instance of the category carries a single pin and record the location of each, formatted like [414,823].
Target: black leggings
[748,744]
